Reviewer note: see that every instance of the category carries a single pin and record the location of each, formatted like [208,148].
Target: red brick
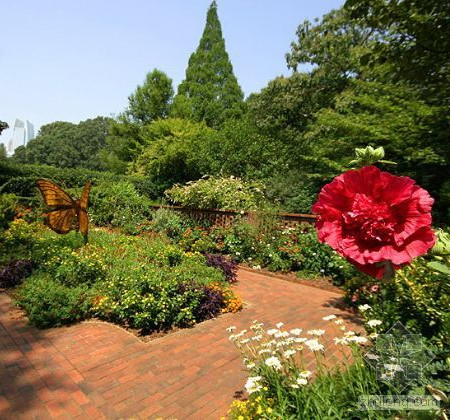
[54,408]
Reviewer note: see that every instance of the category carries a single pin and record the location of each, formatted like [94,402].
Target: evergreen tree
[211,87]
[151,100]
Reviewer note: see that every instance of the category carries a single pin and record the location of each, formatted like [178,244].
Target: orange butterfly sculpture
[64,209]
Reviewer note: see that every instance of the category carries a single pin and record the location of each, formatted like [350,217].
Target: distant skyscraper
[23,132]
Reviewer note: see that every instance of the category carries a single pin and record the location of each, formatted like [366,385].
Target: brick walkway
[97,370]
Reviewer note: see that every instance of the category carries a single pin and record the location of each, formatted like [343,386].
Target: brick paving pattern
[96,370]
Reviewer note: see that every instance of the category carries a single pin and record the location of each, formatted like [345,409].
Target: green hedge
[20,179]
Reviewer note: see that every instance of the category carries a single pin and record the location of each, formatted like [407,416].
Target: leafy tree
[67,145]
[412,36]
[380,114]
[148,103]
[3,154]
[152,100]
[123,144]
[210,84]
[176,151]
[243,151]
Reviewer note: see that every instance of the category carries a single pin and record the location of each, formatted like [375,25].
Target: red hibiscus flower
[375,219]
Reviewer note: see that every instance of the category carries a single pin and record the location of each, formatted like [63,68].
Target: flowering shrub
[15,272]
[280,384]
[49,303]
[75,267]
[218,193]
[161,298]
[418,297]
[198,239]
[226,265]
[372,218]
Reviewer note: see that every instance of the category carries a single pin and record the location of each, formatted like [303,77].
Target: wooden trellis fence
[225,218]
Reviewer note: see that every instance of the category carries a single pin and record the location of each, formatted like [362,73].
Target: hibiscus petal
[396,188]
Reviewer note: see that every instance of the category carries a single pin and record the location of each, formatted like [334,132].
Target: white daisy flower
[314,345]
[329,317]
[230,329]
[358,339]
[273,331]
[305,374]
[364,308]
[296,331]
[252,384]
[273,362]
[374,323]
[280,324]
[289,353]
[342,341]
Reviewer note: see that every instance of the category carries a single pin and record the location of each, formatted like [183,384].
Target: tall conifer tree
[210,88]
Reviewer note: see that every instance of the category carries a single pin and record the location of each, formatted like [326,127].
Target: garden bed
[146,284]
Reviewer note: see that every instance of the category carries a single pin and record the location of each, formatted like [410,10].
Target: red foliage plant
[375,219]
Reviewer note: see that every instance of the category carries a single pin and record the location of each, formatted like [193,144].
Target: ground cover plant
[260,244]
[141,282]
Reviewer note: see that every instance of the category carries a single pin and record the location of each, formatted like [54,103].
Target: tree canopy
[67,145]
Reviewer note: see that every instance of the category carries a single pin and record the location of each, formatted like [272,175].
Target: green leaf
[437,266]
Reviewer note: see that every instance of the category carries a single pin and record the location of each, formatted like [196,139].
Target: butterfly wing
[85,196]
[61,221]
[53,195]
[83,221]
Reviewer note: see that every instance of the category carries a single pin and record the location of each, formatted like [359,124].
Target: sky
[65,60]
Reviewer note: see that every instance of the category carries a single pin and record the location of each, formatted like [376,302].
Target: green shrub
[155,298]
[75,267]
[240,240]
[169,222]
[218,193]
[34,241]
[418,297]
[8,204]
[48,303]
[118,205]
